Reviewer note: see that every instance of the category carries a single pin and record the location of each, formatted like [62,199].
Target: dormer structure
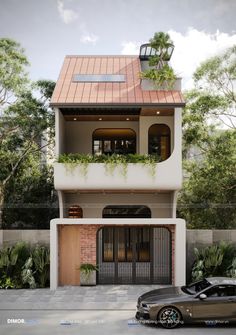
[127,223]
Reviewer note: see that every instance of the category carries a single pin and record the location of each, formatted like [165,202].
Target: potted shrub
[161,73]
[88,274]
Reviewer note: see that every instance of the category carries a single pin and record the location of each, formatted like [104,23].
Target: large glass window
[126,244]
[110,141]
[159,141]
[108,244]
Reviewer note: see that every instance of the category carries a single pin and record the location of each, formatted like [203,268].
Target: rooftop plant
[161,73]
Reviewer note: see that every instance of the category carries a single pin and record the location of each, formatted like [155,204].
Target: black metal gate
[134,255]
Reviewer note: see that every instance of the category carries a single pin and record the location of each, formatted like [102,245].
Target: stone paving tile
[99,297]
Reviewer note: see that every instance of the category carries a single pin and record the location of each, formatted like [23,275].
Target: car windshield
[195,287]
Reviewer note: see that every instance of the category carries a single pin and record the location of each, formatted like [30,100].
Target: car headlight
[147,305]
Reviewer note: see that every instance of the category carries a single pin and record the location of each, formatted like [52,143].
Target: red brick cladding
[88,241]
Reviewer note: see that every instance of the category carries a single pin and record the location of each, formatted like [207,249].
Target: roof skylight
[96,78]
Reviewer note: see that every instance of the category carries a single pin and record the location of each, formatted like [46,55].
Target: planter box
[167,176]
[88,280]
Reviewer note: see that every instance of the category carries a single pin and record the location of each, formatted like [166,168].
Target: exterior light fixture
[75,119]
[157,112]
[127,119]
[100,119]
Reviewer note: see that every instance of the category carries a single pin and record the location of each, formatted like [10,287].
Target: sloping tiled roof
[72,93]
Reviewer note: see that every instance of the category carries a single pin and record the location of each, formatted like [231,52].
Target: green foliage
[161,73]
[27,273]
[23,265]
[111,161]
[214,260]
[41,259]
[218,73]
[30,199]
[12,259]
[163,78]
[13,77]
[208,198]
[87,268]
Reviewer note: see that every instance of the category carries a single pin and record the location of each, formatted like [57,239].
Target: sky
[50,29]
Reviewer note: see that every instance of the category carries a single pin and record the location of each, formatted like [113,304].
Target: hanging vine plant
[161,73]
[111,162]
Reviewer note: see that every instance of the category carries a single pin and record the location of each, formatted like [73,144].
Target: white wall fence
[195,238]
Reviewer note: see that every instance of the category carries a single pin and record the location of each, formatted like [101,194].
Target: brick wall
[88,241]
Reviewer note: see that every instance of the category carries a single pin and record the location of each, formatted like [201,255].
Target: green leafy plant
[6,282]
[111,162]
[214,260]
[24,265]
[28,273]
[41,259]
[161,73]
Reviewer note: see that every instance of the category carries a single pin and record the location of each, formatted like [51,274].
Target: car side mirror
[202,296]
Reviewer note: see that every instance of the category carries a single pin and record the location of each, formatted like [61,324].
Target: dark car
[211,300]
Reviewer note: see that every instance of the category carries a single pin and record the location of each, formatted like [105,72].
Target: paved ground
[77,297]
[99,310]
[91,323]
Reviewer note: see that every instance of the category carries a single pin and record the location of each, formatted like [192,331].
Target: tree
[208,196]
[24,118]
[214,95]
[13,76]
[209,193]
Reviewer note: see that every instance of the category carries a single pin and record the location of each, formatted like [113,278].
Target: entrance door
[127,255]
[69,255]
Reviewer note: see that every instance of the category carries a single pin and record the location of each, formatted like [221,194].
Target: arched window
[110,141]
[126,211]
[159,141]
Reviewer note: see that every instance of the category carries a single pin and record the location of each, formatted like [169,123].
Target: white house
[126,216]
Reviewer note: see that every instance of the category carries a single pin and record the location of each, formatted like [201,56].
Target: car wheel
[169,317]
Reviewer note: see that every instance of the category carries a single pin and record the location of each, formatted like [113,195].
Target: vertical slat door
[69,255]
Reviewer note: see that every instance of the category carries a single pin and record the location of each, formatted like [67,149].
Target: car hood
[162,294]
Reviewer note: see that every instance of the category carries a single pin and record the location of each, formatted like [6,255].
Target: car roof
[221,280]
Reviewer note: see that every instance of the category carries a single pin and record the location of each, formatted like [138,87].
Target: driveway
[105,297]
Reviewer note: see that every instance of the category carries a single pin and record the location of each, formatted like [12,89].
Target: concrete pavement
[105,297]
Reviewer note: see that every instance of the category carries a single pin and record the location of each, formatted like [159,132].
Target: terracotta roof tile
[128,92]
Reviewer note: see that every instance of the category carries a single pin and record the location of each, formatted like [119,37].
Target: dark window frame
[128,243]
[160,136]
[112,139]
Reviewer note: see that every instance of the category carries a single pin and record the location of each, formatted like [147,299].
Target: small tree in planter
[161,73]
[88,274]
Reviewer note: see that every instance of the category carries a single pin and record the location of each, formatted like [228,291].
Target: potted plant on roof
[88,274]
[160,72]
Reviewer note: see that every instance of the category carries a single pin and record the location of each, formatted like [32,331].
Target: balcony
[166,175]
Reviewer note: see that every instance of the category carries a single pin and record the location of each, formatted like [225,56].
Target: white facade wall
[93,204]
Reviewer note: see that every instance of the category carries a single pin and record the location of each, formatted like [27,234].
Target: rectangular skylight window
[96,78]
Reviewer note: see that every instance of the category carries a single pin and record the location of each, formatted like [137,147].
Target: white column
[61,200]
[180,253]
[174,204]
[53,255]
[59,132]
